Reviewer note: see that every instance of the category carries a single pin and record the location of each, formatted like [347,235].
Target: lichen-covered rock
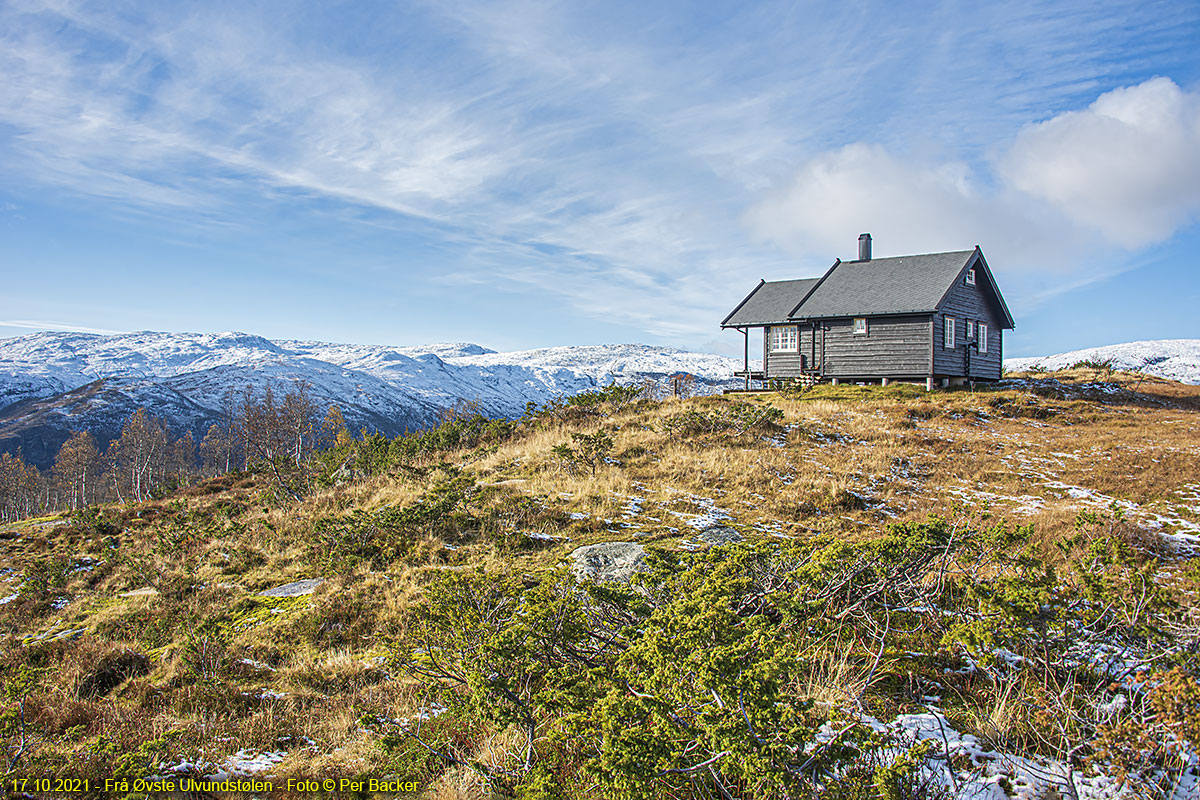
[295,589]
[720,534]
[611,562]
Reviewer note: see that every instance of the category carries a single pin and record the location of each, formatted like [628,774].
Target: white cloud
[860,187]
[909,207]
[1128,165]
[1069,198]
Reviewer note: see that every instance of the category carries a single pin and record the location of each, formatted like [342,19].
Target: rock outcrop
[611,562]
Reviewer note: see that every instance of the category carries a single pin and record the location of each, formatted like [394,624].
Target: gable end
[994,298]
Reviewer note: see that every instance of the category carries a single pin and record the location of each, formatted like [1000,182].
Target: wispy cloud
[43,325]
[634,168]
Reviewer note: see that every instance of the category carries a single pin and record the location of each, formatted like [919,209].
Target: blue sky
[531,174]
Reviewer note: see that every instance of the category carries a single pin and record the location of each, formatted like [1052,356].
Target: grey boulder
[612,562]
[295,589]
[719,535]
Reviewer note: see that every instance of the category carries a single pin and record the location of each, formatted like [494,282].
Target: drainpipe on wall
[824,327]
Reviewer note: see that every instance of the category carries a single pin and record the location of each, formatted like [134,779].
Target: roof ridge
[910,255]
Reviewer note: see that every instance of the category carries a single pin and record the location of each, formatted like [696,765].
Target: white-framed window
[783,339]
[860,325]
[971,277]
[970,329]
[950,323]
[983,332]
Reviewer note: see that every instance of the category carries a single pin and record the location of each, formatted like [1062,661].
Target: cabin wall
[788,364]
[892,347]
[967,302]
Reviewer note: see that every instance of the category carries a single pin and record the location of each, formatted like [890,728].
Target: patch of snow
[711,515]
[633,507]
[432,711]
[247,762]
[538,536]
[967,770]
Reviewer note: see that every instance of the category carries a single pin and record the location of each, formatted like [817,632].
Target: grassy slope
[227,671]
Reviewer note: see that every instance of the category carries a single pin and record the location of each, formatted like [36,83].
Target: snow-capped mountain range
[1174,359]
[52,383]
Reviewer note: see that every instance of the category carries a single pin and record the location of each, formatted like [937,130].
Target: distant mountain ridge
[55,382]
[1174,359]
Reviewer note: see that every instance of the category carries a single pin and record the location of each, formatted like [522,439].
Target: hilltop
[949,594]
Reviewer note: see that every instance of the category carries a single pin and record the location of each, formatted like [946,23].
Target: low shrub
[342,542]
[604,402]
[589,453]
[1105,365]
[729,420]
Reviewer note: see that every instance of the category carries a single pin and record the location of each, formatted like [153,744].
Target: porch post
[746,355]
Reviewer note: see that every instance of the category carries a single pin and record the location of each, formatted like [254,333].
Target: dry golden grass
[834,678]
[1003,720]
[844,462]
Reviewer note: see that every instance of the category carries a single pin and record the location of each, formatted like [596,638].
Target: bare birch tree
[75,470]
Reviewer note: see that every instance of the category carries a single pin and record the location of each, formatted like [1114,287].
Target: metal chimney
[864,247]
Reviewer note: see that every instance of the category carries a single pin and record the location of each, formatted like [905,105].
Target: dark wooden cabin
[937,318]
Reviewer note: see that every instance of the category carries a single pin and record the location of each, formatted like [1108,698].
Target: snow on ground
[1174,359]
[710,514]
[1183,534]
[1167,519]
[968,770]
[247,762]
[1025,504]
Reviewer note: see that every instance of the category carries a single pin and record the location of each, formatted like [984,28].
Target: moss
[253,611]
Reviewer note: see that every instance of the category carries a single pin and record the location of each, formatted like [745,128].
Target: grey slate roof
[770,302]
[884,286]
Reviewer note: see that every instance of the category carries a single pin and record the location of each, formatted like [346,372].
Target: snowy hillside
[1174,359]
[43,375]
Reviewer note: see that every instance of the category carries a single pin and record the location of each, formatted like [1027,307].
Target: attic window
[971,277]
[783,339]
[950,322]
[860,325]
